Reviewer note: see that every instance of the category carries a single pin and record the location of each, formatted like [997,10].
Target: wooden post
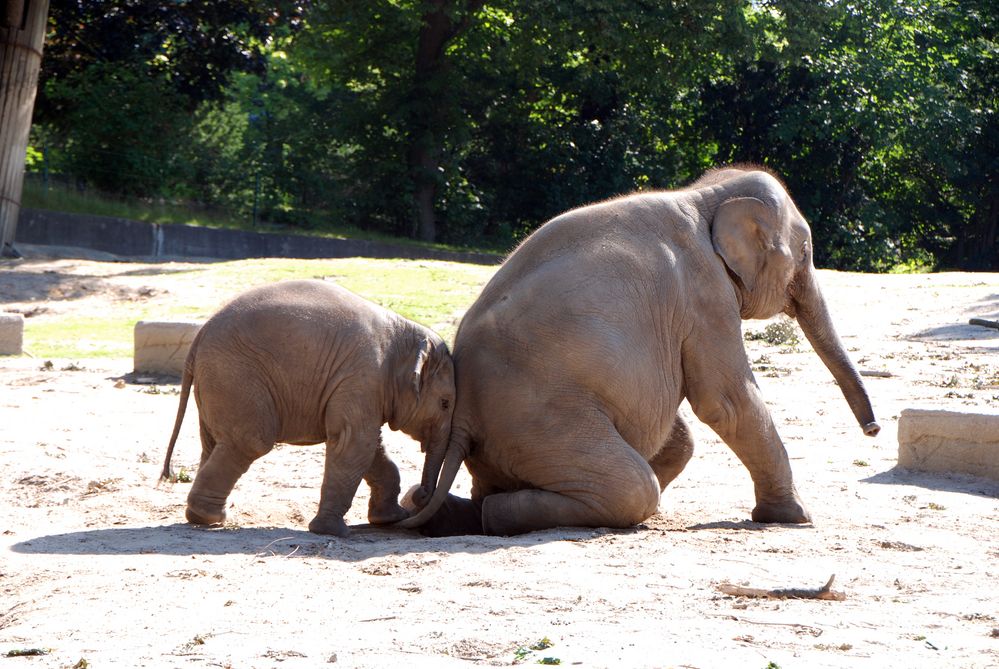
[22,33]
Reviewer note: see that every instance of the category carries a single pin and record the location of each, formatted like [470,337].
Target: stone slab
[949,441]
[11,334]
[161,346]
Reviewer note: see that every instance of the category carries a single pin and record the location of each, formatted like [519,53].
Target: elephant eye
[445,404]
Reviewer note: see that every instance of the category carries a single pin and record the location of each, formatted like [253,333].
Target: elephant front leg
[383,479]
[349,455]
[724,395]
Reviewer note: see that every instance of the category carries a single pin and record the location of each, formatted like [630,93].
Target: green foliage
[129,147]
[472,123]
[781,332]
[524,652]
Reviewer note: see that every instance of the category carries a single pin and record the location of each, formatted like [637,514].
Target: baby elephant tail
[457,450]
[186,379]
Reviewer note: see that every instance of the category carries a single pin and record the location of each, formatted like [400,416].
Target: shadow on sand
[363,543]
[963,483]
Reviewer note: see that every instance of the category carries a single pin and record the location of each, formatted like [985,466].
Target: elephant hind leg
[674,455]
[207,443]
[215,480]
[599,482]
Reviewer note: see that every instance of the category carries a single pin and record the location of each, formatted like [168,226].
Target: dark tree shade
[194,44]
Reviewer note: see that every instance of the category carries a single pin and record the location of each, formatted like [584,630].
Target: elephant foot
[788,511]
[329,525]
[386,513]
[415,499]
[200,515]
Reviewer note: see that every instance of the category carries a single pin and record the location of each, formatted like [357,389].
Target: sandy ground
[98,567]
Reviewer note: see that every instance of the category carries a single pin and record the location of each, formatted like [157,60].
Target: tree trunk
[984,225]
[429,111]
[22,32]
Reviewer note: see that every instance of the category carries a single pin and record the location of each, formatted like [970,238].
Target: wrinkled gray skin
[572,363]
[304,362]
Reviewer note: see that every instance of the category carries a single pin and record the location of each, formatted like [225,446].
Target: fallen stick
[984,323]
[825,592]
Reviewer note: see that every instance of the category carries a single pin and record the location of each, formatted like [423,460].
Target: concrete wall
[135,238]
[935,440]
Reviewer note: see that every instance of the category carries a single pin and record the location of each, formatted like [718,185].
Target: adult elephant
[572,363]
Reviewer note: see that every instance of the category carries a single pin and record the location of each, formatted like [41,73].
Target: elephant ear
[423,350]
[742,231]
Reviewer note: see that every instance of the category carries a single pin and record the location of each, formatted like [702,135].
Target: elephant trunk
[456,452]
[436,450]
[813,316]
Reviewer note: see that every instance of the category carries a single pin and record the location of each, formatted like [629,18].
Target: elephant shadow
[364,542]
[746,526]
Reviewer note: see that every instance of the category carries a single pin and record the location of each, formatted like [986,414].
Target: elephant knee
[719,412]
[645,501]
[633,502]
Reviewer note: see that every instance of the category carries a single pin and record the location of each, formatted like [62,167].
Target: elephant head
[424,399]
[766,246]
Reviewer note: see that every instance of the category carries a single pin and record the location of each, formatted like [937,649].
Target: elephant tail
[186,380]
[457,451]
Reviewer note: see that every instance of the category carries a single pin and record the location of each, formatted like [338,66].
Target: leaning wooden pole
[22,33]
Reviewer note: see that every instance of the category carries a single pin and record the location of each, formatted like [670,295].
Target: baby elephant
[302,362]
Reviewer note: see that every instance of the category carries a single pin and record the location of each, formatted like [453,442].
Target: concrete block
[161,346]
[949,441]
[11,334]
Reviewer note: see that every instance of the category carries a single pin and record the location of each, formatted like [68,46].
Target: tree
[158,63]
[389,67]
[195,45]
[22,32]
[878,113]
[509,110]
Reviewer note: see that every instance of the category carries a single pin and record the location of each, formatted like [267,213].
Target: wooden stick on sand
[825,592]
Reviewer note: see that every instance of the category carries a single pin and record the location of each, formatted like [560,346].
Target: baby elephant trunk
[436,449]
[434,493]
[813,316]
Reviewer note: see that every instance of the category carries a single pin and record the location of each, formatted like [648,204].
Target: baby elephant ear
[423,350]
[741,232]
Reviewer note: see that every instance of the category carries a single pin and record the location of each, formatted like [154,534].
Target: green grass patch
[434,293]
[77,337]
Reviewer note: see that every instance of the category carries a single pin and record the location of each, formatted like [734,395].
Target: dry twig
[825,592]
[9,617]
